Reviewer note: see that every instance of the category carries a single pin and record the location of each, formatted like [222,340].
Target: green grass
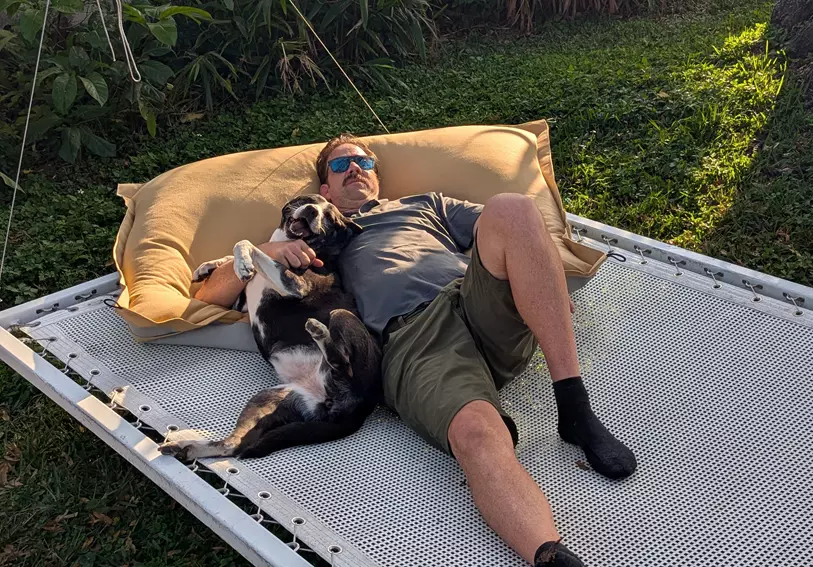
[684,129]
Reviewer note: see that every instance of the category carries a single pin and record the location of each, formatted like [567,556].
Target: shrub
[189,57]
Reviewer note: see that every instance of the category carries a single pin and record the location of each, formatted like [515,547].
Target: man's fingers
[572,306]
[306,249]
[292,259]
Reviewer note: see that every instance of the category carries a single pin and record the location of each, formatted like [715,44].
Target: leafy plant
[80,89]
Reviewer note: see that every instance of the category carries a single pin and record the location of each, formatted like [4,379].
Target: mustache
[354,177]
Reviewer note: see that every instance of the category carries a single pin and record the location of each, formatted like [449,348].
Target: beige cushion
[197,212]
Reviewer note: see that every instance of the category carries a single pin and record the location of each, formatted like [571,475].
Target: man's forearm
[222,287]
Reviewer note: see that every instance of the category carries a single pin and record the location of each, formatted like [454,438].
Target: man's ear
[324,191]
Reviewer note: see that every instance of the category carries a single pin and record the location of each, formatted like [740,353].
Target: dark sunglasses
[340,164]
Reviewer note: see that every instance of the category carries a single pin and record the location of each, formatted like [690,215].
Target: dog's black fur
[308,328]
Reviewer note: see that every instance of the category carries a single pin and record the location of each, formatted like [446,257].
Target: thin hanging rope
[104,27]
[22,146]
[316,35]
[128,52]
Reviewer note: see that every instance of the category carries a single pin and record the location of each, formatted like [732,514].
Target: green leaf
[97,145]
[96,87]
[69,6]
[44,74]
[284,5]
[39,127]
[71,142]
[78,57]
[164,31]
[64,92]
[133,14]
[365,12]
[151,123]
[6,37]
[8,181]
[195,14]
[156,72]
[30,24]
[334,11]
[229,4]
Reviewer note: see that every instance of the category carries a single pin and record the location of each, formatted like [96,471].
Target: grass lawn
[684,129]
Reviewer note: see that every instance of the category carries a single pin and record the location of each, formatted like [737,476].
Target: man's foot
[555,554]
[580,426]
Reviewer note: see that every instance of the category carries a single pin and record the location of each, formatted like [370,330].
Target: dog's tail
[301,433]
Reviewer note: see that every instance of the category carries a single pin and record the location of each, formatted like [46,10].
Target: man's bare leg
[506,495]
[514,245]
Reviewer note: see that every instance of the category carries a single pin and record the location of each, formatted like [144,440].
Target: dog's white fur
[301,369]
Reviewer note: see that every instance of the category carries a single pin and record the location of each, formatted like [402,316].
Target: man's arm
[223,286]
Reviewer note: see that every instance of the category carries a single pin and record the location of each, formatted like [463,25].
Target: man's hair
[332,144]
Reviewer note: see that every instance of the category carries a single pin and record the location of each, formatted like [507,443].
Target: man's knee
[478,427]
[507,213]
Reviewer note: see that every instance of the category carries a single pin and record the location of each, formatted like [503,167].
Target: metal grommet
[95,372]
[232,470]
[298,521]
[263,495]
[335,549]
[73,309]
[144,408]
[172,427]
[118,390]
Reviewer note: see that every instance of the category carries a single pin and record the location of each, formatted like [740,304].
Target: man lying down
[455,330]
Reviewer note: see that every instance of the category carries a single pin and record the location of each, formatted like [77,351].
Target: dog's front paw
[244,260]
[316,330]
[244,270]
[205,270]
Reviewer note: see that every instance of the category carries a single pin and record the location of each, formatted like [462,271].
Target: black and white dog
[308,328]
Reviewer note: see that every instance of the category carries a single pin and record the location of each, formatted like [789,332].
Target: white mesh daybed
[679,351]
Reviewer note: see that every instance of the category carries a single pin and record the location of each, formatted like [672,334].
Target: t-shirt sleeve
[460,217]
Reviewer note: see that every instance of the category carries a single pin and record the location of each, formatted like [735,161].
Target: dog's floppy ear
[355,228]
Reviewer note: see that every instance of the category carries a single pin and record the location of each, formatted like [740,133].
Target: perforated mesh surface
[714,396]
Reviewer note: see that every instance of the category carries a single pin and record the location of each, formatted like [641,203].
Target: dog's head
[319,223]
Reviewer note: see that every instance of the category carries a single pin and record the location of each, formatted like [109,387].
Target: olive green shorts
[464,346]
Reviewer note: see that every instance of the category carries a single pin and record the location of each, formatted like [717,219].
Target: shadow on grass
[769,225]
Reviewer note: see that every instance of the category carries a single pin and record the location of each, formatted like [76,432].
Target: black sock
[580,426]
[555,554]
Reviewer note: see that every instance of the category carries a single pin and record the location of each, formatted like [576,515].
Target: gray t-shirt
[409,250]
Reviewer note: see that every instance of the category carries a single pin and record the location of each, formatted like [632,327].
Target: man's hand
[294,254]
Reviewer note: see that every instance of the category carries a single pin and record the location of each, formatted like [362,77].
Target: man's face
[349,189]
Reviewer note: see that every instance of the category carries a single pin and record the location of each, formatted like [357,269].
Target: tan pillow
[197,212]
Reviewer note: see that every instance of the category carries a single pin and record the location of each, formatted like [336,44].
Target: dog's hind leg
[258,407]
[334,352]
[300,433]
